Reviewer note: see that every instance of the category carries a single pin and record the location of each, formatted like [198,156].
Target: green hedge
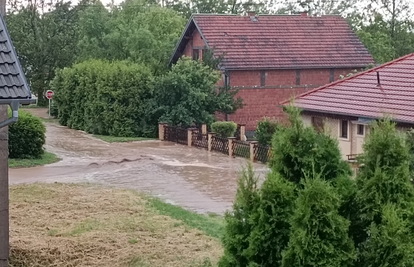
[224,128]
[106,98]
[265,130]
[26,137]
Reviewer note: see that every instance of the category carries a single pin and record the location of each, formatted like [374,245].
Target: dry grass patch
[89,225]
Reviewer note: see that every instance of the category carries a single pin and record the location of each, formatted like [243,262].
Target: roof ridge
[351,77]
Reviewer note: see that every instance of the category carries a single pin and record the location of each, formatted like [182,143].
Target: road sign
[49,94]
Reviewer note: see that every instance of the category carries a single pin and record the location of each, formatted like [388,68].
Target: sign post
[49,95]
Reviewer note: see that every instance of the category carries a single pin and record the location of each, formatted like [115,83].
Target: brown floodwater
[190,177]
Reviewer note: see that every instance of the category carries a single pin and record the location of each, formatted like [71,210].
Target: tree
[44,41]
[188,95]
[316,7]
[139,31]
[270,234]
[299,151]
[390,243]
[384,179]
[319,234]
[238,221]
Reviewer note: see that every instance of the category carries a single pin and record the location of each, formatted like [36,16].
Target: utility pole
[4,177]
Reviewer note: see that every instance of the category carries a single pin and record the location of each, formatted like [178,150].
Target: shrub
[270,234]
[106,98]
[300,150]
[224,128]
[265,130]
[26,137]
[238,222]
[319,234]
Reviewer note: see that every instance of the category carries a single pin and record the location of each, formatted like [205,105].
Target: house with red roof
[272,57]
[346,107]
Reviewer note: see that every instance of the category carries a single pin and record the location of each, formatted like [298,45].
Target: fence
[229,146]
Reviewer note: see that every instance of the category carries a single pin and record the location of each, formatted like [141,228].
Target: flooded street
[190,177]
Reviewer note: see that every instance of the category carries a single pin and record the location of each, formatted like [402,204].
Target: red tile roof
[281,41]
[361,96]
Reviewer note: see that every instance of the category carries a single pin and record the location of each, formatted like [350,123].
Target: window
[343,129]
[226,80]
[196,54]
[360,129]
[317,123]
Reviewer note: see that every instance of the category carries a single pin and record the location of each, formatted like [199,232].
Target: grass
[51,119]
[114,139]
[212,225]
[90,225]
[47,158]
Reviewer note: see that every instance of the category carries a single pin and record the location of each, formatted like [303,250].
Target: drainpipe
[15,114]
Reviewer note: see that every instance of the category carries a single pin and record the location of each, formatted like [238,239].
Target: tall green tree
[239,221]
[299,151]
[319,235]
[44,41]
[383,180]
[188,95]
[270,234]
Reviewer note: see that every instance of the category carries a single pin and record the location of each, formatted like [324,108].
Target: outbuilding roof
[13,83]
[385,90]
[278,41]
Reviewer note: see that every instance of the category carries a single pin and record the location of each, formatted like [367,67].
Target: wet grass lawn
[47,158]
[114,139]
[90,225]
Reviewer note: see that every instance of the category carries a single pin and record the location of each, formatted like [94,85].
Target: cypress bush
[224,128]
[239,221]
[319,235]
[300,150]
[106,98]
[26,137]
[270,234]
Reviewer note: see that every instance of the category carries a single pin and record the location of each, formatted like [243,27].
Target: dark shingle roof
[279,41]
[362,96]
[13,84]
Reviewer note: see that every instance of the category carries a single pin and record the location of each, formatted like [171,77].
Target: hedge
[26,137]
[106,98]
[224,128]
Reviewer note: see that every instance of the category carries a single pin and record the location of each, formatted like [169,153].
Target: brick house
[272,57]
[346,107]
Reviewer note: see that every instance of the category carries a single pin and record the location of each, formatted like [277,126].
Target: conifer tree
[238,221]
[270,234]
[319,235]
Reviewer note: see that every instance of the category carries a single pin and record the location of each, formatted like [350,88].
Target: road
[194,178]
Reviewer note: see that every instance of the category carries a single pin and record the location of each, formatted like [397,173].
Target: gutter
[14,105]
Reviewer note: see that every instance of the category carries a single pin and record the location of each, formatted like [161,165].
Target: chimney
[304,14]
[251,13]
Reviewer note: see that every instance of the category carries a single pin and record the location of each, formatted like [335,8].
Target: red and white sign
[49,94]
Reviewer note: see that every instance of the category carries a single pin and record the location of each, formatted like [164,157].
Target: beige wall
[351,145]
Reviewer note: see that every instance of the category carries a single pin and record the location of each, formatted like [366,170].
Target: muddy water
[189,177]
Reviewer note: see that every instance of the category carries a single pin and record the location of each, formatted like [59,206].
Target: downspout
[15,114]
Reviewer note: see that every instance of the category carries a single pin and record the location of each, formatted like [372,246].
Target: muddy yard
[193,178]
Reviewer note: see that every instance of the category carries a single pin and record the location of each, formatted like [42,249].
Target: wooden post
[209,141]
[242,132]
[204,128]
[231,145]
[253,145]
[4,177]
[161,131]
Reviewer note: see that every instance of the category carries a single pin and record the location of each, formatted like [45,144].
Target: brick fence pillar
[204,128]
[253,145]
[231,145]
[161,131]
[190,136]
[242,132]
[209,140]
